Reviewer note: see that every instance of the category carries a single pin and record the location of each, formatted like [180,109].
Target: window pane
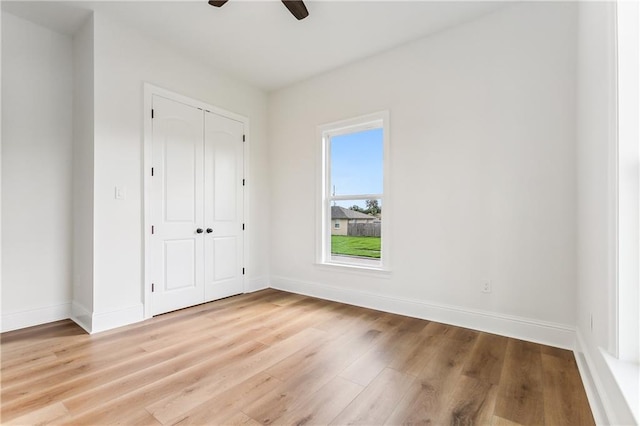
[356,163]
[356,227]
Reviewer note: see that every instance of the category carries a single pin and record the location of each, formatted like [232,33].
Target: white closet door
[177,210]
[223,206]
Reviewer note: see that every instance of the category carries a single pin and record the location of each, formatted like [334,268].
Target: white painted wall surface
[83,165]
[483,178]
[36,173]
[596,208]
[0,167]
[124,60]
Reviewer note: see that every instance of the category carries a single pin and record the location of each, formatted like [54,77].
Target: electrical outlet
[486,286]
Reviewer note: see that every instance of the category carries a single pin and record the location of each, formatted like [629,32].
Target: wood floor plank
[343,316]
[450,331]
[91,389]
[487,358]
[20,367]
[120,409]
[286,299]
[499,421]
[272,322]
[364,369]
[418,406]
[42,416]
[241,419]
[70,370]
[155,372]
[167,410]
[39,336]
[32,346]
[377,401]
[66,369]
[133,335]
[276,403]
[321,407]
[273,357]
[401,346]
[345,349]
[471,403]
[135,417]
[428,398]
[16,400]
[565,402]
[447,358]
[520,392]
[220,409]
[300,378]
[293,326]
[410,353]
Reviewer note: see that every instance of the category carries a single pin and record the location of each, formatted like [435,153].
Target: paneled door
[223,203]
[196,206]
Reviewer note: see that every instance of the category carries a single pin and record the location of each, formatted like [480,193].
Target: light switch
[121,192]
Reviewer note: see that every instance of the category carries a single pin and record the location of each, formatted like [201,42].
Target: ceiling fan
[296,7]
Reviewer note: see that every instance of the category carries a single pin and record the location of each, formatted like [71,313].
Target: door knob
[209,230]
[199,230]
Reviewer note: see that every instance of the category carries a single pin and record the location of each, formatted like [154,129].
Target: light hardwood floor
[278,358]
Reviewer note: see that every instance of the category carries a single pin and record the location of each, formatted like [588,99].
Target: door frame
[149,91]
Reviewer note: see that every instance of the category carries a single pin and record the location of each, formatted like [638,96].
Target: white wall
[482,174]
[36,173]
[596,212]
[124,60]
[83,165]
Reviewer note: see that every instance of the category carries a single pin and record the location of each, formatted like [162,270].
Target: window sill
[377,271]
[627,375]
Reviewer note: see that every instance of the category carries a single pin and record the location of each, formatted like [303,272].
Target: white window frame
[627,336]
[323,222]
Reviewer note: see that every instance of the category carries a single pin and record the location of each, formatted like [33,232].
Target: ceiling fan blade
[217,3]
[297,8]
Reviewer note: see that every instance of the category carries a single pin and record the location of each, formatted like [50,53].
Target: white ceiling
[260,42]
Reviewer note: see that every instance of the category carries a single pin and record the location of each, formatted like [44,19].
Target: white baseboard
[81,316]
[31,317]
[590,382]
[256,284]
[104,321]
[547,333]
[605,397]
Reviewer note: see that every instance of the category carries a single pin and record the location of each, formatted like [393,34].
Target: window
[354,193]
[628,167]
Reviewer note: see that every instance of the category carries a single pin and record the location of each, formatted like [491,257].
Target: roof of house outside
[338,212]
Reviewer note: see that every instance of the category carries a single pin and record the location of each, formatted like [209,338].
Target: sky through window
[356,164]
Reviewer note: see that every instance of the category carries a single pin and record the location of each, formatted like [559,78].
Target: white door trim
[149,91]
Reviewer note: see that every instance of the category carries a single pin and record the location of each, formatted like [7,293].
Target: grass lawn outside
[355,246]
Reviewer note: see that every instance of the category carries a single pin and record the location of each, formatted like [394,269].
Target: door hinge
[243,182]
[244,138]
[242,271]
[153,287]
[243,226]
[152,171]
[153,229]
[151,112]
